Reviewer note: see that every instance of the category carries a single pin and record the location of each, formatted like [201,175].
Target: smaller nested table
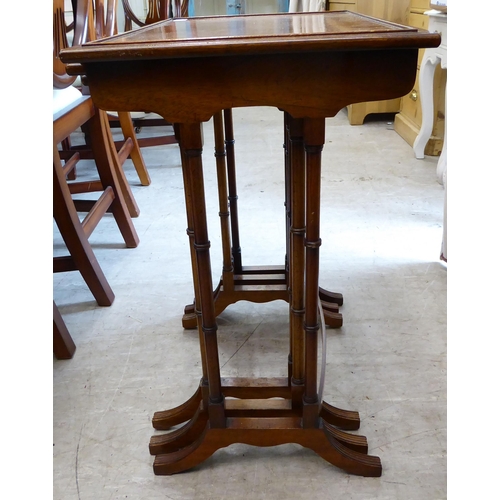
[252,283]
[188,70]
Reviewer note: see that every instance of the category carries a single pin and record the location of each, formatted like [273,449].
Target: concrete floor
[381,231]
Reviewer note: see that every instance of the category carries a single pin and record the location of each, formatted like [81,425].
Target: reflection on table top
[262,33]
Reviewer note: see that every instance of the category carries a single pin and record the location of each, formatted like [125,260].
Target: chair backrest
[105,19]
[92,20]
[180,8]
[79,26]
[158,10]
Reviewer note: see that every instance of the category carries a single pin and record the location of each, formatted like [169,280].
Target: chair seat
[135,115]
[64,100]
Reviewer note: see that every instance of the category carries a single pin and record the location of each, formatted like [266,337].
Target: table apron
[311,85]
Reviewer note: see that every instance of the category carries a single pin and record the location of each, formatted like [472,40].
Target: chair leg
[135,155]
[111,174]
[66,146]
[117,168]
[63,345]
[104,153]
[81,252]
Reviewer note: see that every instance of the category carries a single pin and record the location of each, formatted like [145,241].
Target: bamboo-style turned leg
[192,147]
[257,284]
[224,214]
[294,151]
[260,412]
[196,306]
[233,193]
[295,203]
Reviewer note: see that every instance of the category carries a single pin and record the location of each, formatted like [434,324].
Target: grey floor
[381,230]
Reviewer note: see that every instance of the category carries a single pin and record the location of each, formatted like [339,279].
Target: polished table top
[264,33]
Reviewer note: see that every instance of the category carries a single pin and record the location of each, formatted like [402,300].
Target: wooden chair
[104,24]
[72,109]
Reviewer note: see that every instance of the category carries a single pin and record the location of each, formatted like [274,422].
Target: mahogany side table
[188,70]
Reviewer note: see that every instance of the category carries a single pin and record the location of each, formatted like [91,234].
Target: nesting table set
[192,70]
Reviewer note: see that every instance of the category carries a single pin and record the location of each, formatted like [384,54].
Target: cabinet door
[420,4]
[418,20]
[345,5]
[389,10]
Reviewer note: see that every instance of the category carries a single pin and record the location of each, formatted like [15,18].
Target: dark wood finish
[286,61]
[75,232]
[232,191]
[63,345]
[252,283]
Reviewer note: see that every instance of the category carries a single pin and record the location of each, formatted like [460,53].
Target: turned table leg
[295,165]
[233,193]
[314,138]
[224,213]
[192,146]
[261,412]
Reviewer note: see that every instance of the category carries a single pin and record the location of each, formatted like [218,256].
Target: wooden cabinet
[408,122]
[390,10]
